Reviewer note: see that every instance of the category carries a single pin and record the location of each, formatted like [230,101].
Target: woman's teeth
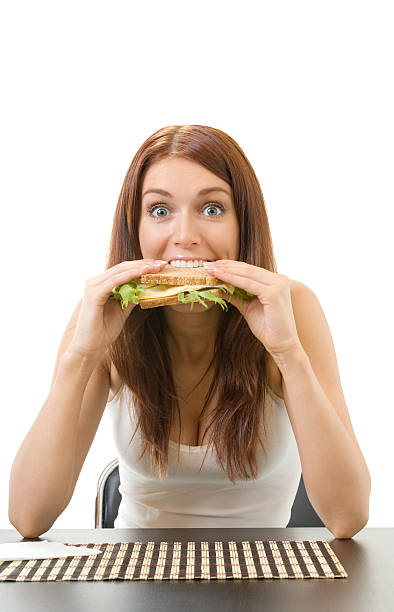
[187,264]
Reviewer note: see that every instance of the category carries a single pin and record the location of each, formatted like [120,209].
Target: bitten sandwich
[175,285]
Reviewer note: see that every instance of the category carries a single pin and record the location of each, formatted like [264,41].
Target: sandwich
[176,285]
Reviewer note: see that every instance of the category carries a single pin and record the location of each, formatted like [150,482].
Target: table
[367,558]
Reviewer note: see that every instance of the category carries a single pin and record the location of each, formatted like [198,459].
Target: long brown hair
[140,353]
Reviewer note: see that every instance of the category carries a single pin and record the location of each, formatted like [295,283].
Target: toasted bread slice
[173,299]
[170,275]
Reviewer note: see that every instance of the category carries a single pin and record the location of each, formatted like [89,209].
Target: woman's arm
[335,473]
[286,316]
[49,460]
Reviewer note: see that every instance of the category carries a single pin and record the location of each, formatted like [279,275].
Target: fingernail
[208,264]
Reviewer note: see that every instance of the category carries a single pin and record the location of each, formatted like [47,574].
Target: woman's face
[185,222]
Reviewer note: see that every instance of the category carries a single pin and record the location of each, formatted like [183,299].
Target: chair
[108,496]
[303,513]
[108,500]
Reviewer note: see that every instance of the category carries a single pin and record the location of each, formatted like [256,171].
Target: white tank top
[190,497]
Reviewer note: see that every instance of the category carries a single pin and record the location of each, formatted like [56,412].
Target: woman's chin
[186,307]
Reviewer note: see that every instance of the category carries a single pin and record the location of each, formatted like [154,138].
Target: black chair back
[108,500]
[303,513]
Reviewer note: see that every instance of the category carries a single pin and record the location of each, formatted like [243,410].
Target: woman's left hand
[270,313]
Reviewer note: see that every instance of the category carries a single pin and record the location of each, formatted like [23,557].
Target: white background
[305,88]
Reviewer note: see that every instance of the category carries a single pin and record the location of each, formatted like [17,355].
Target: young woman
[214,413]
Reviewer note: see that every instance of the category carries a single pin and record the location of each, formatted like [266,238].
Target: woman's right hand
[101,319]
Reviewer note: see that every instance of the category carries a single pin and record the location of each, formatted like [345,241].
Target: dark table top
[367,559]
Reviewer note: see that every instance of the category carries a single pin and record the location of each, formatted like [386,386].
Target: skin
[190,225]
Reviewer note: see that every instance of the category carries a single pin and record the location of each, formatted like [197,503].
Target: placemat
[184,561]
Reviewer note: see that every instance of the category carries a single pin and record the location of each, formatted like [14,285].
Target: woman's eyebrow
[202,192]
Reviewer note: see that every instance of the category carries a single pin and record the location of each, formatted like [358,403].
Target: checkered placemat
[184,561]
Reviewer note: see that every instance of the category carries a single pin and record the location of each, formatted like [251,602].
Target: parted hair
[140,353]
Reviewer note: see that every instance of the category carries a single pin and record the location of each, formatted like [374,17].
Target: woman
[214,413]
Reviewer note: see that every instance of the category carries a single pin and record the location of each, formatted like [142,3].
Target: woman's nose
[185,231]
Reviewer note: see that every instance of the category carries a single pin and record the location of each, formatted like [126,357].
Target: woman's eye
[157,208]
[213,207]
[160,209]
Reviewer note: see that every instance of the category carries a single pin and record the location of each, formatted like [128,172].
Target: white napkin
[19,551]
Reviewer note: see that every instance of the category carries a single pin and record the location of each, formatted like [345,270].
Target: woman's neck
[191,335]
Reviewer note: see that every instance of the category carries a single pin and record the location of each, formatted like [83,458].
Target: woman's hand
[270,313]
[101,319]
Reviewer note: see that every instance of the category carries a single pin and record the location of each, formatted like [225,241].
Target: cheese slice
[161,291]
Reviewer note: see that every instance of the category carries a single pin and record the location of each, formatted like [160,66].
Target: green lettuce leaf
[242,294]
[200,295]
[126,293]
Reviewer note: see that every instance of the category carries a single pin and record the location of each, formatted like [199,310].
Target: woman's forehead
[172,174]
